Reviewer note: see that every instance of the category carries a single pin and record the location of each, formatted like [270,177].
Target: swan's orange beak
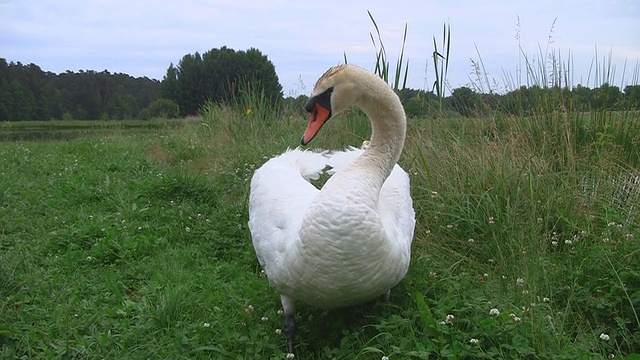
[319,116]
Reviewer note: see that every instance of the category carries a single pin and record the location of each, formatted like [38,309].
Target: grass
[136,245]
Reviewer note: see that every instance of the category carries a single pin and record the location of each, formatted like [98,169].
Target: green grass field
[136,246]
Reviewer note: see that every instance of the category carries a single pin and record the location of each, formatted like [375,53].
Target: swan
[350,241]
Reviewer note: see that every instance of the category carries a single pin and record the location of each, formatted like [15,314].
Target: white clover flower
[554,243]
[494,312]
[278,331]
[290,356]
[474,341]
[515,318]
[491,220]
[520,281]
[546,299]
[471,241]
[604,337]
[264,318]
[384,358]
[449,319]
[187,229]
[280,311]
[206,325]
[568,242]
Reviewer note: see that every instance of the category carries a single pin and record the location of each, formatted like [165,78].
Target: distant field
[131,242]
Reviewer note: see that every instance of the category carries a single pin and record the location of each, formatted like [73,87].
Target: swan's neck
[388,129]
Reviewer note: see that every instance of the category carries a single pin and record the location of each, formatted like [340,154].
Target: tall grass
[441,63]
[382,65]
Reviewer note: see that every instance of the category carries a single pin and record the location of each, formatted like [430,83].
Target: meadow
[132,245]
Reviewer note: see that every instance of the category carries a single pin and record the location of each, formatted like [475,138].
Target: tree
[606,96]
[219,75]
[160,108]
[169,85]
[49,104]
[122,107]
[632,96]
[464,101]
[23,101]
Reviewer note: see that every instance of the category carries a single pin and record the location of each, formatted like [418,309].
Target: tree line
[523,101]
[225,75]
[29,93]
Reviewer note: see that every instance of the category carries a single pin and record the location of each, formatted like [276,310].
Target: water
[35,131]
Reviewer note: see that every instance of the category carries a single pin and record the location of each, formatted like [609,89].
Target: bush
[160,108]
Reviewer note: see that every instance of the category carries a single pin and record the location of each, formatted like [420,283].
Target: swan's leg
[386,295]
[289,306]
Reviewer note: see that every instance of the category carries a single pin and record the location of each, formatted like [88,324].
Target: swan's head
[334,92]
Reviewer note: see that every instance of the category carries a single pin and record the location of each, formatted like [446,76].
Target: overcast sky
[303,38]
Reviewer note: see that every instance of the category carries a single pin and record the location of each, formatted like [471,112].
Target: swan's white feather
[326,276]
[280,195]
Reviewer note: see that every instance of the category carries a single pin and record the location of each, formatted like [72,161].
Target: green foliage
[160,109]
[441,63]
[28,93]
[219,75]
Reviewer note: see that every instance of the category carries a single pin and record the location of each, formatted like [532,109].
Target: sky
[304,38]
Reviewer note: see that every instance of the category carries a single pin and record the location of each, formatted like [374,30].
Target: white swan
[350,241]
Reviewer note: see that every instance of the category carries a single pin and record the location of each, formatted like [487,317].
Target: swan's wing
[339,159]
[394,205]
[280,196]
[396,209]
